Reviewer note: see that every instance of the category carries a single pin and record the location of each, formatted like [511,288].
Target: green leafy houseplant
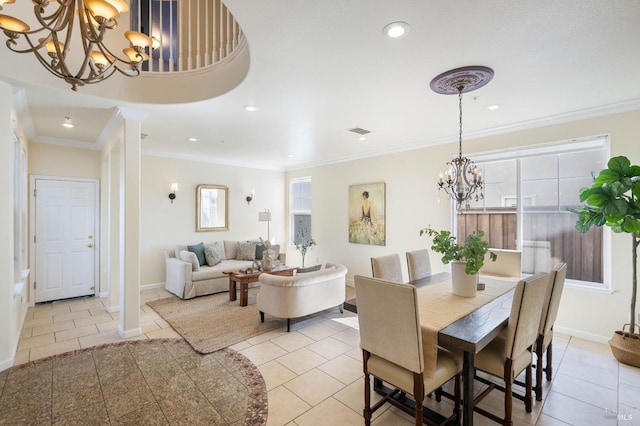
[304,242]
[472,252]
[613,201]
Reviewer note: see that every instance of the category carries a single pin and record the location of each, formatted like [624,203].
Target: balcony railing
[189,34]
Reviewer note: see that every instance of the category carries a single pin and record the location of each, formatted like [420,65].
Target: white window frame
[573,145]
[292,212]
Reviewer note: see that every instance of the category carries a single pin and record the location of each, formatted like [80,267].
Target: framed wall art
[367,214]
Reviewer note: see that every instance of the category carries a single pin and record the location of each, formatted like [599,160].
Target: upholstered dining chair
[508,263]
[418,264]
[391,343]
[507,356]
[387,267]
[547,319]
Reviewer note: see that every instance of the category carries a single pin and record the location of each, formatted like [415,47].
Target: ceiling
[319,68]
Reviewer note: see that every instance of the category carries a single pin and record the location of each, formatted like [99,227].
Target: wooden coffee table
[245,279]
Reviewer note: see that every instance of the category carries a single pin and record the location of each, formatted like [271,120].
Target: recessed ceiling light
[250,108]
[362,138]
[67,123]
[193,140]
[396,30]
[493,107]
[290,155]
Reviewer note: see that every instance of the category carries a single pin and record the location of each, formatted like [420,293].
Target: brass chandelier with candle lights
[462,180]
[51,42]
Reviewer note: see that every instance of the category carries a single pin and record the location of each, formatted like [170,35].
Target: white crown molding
[106,139]
[209,160]
[21,107]
[65,142]
[133,113]
[583,114]
[23,117]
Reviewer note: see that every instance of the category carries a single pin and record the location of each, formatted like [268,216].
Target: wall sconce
[250,195]
[172,194]
[265,216]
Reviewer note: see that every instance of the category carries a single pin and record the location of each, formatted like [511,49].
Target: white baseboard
[103,294]
[581,334]
[151,286]
[113,309]
[8,363]
[5,365]
[129,333]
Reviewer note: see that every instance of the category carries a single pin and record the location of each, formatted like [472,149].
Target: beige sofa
[186,281]
[302,294]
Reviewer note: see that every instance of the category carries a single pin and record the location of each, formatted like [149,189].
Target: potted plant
[614,201]
[466,260]
[303,242]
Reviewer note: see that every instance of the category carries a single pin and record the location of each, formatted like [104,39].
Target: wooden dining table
[459,324]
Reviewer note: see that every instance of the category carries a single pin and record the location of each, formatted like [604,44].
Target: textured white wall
[163,224]
[55,160]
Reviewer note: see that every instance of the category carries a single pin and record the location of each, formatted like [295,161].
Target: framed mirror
[212,208]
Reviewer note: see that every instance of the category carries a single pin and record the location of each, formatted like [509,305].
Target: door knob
[90,245]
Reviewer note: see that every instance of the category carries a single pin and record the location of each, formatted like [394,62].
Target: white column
[130,223]
[112,244]
[8,324]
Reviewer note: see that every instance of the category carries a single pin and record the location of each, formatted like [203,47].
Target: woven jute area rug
[210,323]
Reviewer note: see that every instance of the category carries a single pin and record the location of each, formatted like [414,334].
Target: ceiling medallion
[462,180]
[469,78]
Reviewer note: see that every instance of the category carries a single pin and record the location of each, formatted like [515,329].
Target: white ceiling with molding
[319,68]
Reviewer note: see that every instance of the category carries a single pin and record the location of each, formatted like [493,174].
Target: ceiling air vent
[359,131]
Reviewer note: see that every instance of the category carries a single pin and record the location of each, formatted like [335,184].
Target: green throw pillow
[198,249]
[260,248]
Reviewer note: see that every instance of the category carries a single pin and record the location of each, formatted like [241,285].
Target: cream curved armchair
[550,309]
[418,264]
[506,357]
[387,267]
[392,347]
[302,294]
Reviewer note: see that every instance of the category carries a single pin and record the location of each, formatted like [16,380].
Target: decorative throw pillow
[198,249]
[260,248]
[189,256]
[246,250]
[214,253]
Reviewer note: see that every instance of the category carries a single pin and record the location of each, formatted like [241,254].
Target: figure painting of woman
[366,208]
[366,214]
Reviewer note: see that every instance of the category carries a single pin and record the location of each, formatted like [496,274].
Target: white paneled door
[65,240]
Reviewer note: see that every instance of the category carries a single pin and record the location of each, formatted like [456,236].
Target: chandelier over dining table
[462,180]
[51,41]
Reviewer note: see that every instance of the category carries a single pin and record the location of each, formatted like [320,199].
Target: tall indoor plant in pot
[614,201]
[466,260]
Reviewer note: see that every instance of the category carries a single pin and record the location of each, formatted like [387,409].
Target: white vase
[463,284]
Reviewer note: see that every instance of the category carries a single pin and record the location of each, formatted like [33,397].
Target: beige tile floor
[314,373]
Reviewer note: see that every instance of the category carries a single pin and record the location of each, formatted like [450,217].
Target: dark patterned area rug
[159,381]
